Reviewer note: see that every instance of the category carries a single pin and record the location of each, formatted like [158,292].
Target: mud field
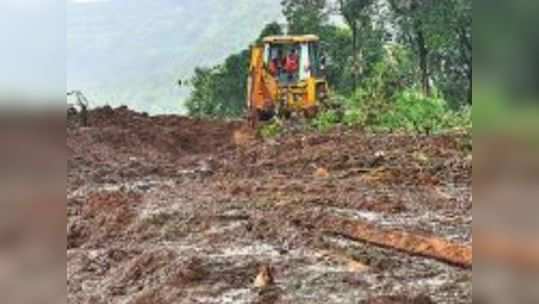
[169,209]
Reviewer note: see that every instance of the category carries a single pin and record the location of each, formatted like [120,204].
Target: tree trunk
[353,24]
[423,61]
[470,85]
[466,51]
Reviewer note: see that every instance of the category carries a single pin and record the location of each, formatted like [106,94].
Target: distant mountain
[133,51]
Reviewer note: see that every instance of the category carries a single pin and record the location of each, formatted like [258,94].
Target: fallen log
[410,243]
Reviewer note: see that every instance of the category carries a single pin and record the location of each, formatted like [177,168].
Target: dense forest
[390,64]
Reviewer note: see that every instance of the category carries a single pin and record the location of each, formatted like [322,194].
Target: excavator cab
[286,76]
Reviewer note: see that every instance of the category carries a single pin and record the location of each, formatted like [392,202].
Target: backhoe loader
[286,77]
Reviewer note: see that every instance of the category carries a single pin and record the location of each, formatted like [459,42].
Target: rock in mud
[264,277]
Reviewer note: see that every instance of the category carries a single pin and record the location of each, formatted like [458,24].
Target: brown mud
[169,209]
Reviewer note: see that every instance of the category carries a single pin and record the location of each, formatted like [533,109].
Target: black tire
[285,114]
[265,115]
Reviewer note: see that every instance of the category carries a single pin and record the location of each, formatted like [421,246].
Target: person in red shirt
[274,68]
[292,64]
[276,65]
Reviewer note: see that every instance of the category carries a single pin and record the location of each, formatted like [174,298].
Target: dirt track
[173,210]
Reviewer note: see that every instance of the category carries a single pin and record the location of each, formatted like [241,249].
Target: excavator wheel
[285,114]
[265,115]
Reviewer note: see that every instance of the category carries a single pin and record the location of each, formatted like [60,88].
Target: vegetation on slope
[391,66]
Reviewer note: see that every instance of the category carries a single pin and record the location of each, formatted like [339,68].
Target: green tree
[337,47]
[270,29]
[356,16]
[201,102]
[451,38]
[305,16]
[220,91]
[440,34]
[411,15]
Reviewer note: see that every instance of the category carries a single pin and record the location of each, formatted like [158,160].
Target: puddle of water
[140,185]
[251,250]
[440,224]
[218,229]
[369,216]
[234,296]
[320,268]
[434,282]
[362,215]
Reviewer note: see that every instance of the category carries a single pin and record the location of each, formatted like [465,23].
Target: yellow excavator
[286,76]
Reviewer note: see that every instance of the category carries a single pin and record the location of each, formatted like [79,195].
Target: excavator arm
[262,88]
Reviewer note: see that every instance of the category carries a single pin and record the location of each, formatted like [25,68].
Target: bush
[413,111]
[270,129]
[326,120]
[408,111]
[459,120]
[354,117]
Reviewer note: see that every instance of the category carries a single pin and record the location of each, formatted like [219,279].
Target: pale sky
[88,1]
[32,56]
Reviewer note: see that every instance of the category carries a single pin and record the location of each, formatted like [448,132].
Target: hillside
[133,52]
